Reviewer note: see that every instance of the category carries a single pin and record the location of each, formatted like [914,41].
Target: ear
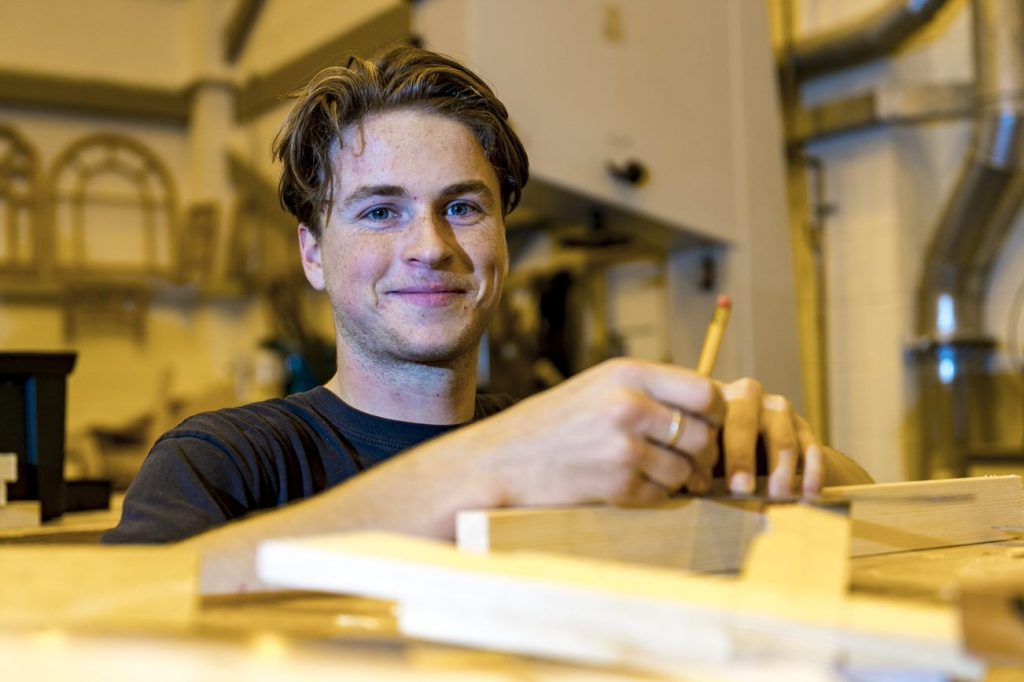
[309,249]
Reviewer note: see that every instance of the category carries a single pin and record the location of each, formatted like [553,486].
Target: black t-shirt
[218,466]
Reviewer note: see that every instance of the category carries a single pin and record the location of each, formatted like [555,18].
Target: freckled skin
[414,273]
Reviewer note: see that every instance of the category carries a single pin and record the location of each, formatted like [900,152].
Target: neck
[436,393]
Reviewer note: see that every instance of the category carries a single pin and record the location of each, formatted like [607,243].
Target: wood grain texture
[8,467]
[22,514]
[609,613]
[992,614]
[896,517]
[97,587]
[690,533]
[713,534]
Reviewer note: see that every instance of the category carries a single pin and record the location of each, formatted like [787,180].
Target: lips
[428,295]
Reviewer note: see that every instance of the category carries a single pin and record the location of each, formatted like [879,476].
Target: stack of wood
[14,514]
[602,585]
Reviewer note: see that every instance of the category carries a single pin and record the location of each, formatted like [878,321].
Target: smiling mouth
[429,297]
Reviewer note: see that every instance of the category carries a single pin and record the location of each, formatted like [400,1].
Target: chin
[436,348]
[435,353]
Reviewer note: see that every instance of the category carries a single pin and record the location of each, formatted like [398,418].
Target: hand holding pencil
[751,414]
[633,432]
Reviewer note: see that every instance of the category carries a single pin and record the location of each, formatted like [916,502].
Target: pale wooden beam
[94,95]
[239,27]
[610,613]
[712,534]
[265,91]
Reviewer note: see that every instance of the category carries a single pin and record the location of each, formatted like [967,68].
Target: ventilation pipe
[953,351]
[875,35]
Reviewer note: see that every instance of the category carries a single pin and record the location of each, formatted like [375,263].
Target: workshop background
[838,168]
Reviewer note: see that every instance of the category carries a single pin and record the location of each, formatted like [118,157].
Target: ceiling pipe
[984,203]
[874,35]
[953,350]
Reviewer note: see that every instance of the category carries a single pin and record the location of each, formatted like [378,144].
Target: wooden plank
[98,587]
[238,27]
[266,91]
[713,534]
[19,515]
[610,613]
[8,467]
[896,517]
[699,534]
[94,95]
[992,614]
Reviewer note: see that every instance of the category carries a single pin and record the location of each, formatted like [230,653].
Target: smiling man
[412,257]
[400,171]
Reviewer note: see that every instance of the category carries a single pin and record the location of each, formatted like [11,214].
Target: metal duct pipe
[954,351]
[875,35]
[984,202]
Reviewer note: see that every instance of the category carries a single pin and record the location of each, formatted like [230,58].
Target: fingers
[691,438]
[814,458]
[672,385]
[669,469]
[740,431]
[781,440]
[788,438]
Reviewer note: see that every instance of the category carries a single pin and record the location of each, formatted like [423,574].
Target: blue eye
[461,209]
[379,213]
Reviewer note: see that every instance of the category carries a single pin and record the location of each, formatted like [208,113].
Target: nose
[431,241]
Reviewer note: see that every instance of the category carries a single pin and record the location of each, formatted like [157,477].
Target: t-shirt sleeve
[188,484]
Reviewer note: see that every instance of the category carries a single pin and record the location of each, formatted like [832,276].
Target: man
[400,171]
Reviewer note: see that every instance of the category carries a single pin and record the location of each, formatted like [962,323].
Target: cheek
[491,254]
[353,270]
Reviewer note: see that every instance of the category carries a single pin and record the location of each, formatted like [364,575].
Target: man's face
[413,254]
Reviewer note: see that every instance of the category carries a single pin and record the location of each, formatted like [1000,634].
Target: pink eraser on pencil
[723,301]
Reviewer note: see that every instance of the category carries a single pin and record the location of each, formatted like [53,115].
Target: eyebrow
[369,191]
[469,187]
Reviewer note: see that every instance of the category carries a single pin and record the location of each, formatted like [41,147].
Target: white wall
[889,185]
[288,28]
[134,41]
[688,88]
[116,378]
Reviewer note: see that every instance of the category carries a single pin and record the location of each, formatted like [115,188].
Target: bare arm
[598,437]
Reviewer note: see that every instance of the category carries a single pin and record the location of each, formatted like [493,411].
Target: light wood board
[611,613]
[713,534]
[8,467]
[98,587]
[700,534]
[8,473]
[896,517]
[992,614]
[20,515]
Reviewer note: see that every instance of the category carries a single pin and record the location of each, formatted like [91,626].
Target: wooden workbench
[96,613]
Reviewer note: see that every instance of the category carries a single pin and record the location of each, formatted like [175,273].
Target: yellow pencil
[713,339]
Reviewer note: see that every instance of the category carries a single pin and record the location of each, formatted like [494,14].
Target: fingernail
[742,482]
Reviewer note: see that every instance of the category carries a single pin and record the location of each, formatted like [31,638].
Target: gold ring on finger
[675,429]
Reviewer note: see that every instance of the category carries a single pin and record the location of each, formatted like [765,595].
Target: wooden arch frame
[19,166]
[156,195]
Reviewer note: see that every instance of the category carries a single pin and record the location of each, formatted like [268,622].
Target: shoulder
[269,417]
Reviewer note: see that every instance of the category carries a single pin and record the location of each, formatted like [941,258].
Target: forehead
[409,146]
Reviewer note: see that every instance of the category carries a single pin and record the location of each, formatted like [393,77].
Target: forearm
[418,493]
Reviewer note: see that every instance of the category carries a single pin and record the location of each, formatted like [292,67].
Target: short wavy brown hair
[398,78]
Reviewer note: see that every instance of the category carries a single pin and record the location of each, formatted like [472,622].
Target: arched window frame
[19,161]
[156,193]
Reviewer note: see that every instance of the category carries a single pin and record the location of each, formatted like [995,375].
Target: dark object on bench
[32,400]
